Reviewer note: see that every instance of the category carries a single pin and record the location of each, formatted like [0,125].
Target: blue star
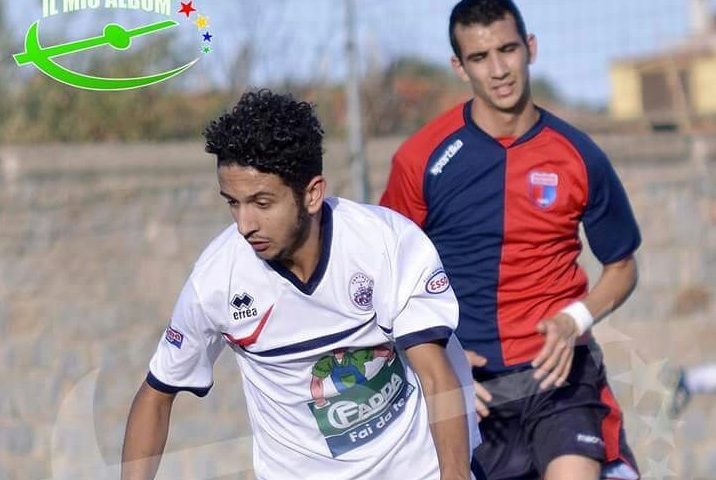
[208,37]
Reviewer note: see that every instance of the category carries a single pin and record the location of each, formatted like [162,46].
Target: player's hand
[554,361]
[482,396]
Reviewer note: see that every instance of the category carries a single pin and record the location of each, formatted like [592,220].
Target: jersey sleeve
[404,191]
[608,220]
[416,303]
[186,353]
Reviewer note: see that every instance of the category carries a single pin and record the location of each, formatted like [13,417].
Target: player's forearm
[146,434]
[448,425]
[614,286]
[446,409]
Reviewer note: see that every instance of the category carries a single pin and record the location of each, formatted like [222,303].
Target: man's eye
[263,204]
[232,203]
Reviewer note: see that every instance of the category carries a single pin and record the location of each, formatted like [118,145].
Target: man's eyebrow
[227,196]
[504,46]
[509,45]
[473,55]
[250,197]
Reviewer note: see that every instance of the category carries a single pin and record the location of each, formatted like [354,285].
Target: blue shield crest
[543,188]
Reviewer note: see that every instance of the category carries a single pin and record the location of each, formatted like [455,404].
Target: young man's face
[495,61]
[266,211]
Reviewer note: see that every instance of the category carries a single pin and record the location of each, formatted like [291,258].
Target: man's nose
[245,220]
[498,67]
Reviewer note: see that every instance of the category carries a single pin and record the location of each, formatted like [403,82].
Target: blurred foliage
[408,94]
[545,91]
[403,97]
[45,110]
[397,99]
[6,45]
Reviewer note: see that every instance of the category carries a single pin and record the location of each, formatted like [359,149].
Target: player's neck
[500,124]
[305,259]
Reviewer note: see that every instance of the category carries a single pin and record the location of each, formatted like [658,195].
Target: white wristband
[581,315]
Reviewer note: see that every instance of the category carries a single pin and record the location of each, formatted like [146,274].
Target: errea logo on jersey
[242,303]
[445,158]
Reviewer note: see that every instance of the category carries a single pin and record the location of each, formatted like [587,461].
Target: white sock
[701,379]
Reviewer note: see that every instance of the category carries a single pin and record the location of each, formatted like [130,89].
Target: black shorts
[528,428]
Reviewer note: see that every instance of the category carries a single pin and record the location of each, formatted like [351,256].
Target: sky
[303,39]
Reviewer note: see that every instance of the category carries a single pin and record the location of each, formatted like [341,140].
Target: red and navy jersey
[504,215]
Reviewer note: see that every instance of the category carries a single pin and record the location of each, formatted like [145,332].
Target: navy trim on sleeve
[158,385]
[609,223]
[434,334]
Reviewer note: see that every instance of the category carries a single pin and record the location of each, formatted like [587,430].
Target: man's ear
[458,69]
[532,47]
[315,193]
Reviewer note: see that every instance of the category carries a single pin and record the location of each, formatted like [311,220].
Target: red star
[186,8]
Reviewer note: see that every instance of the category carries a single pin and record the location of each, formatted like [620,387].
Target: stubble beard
[298,237]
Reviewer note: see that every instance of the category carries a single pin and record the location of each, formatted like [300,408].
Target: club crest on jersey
[173,336]
[437,283]
[543,188]
[360,289]
[243,306]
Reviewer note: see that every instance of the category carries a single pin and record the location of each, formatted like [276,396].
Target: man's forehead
[498,32]
[249,181]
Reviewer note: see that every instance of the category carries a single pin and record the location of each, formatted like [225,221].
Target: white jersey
[328,394]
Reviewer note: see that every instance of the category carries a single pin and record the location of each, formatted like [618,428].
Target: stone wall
[96,241]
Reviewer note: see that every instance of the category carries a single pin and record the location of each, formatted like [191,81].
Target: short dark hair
[272,133]
[484,12]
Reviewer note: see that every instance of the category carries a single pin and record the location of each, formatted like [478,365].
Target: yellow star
[201,22]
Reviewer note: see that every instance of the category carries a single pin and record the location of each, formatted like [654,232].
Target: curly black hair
[483,12]
[272,133]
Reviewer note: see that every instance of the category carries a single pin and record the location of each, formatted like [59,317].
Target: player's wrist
[583,318]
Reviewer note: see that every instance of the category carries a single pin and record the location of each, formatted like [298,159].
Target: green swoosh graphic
[114,35]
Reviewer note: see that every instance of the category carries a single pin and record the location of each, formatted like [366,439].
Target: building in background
[674,88]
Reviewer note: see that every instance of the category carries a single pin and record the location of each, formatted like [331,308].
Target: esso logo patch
[437,283]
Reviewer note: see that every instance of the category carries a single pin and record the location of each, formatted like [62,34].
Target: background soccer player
[699,379]
[296,278]
[501,186]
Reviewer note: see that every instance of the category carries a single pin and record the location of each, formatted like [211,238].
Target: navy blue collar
[531,133]
[326,240]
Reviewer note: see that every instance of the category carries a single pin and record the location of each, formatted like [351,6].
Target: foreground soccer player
[501,187]
[340,317]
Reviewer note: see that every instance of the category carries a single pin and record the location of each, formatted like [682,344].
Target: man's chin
[266,255]
[271,255]
[513,104]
